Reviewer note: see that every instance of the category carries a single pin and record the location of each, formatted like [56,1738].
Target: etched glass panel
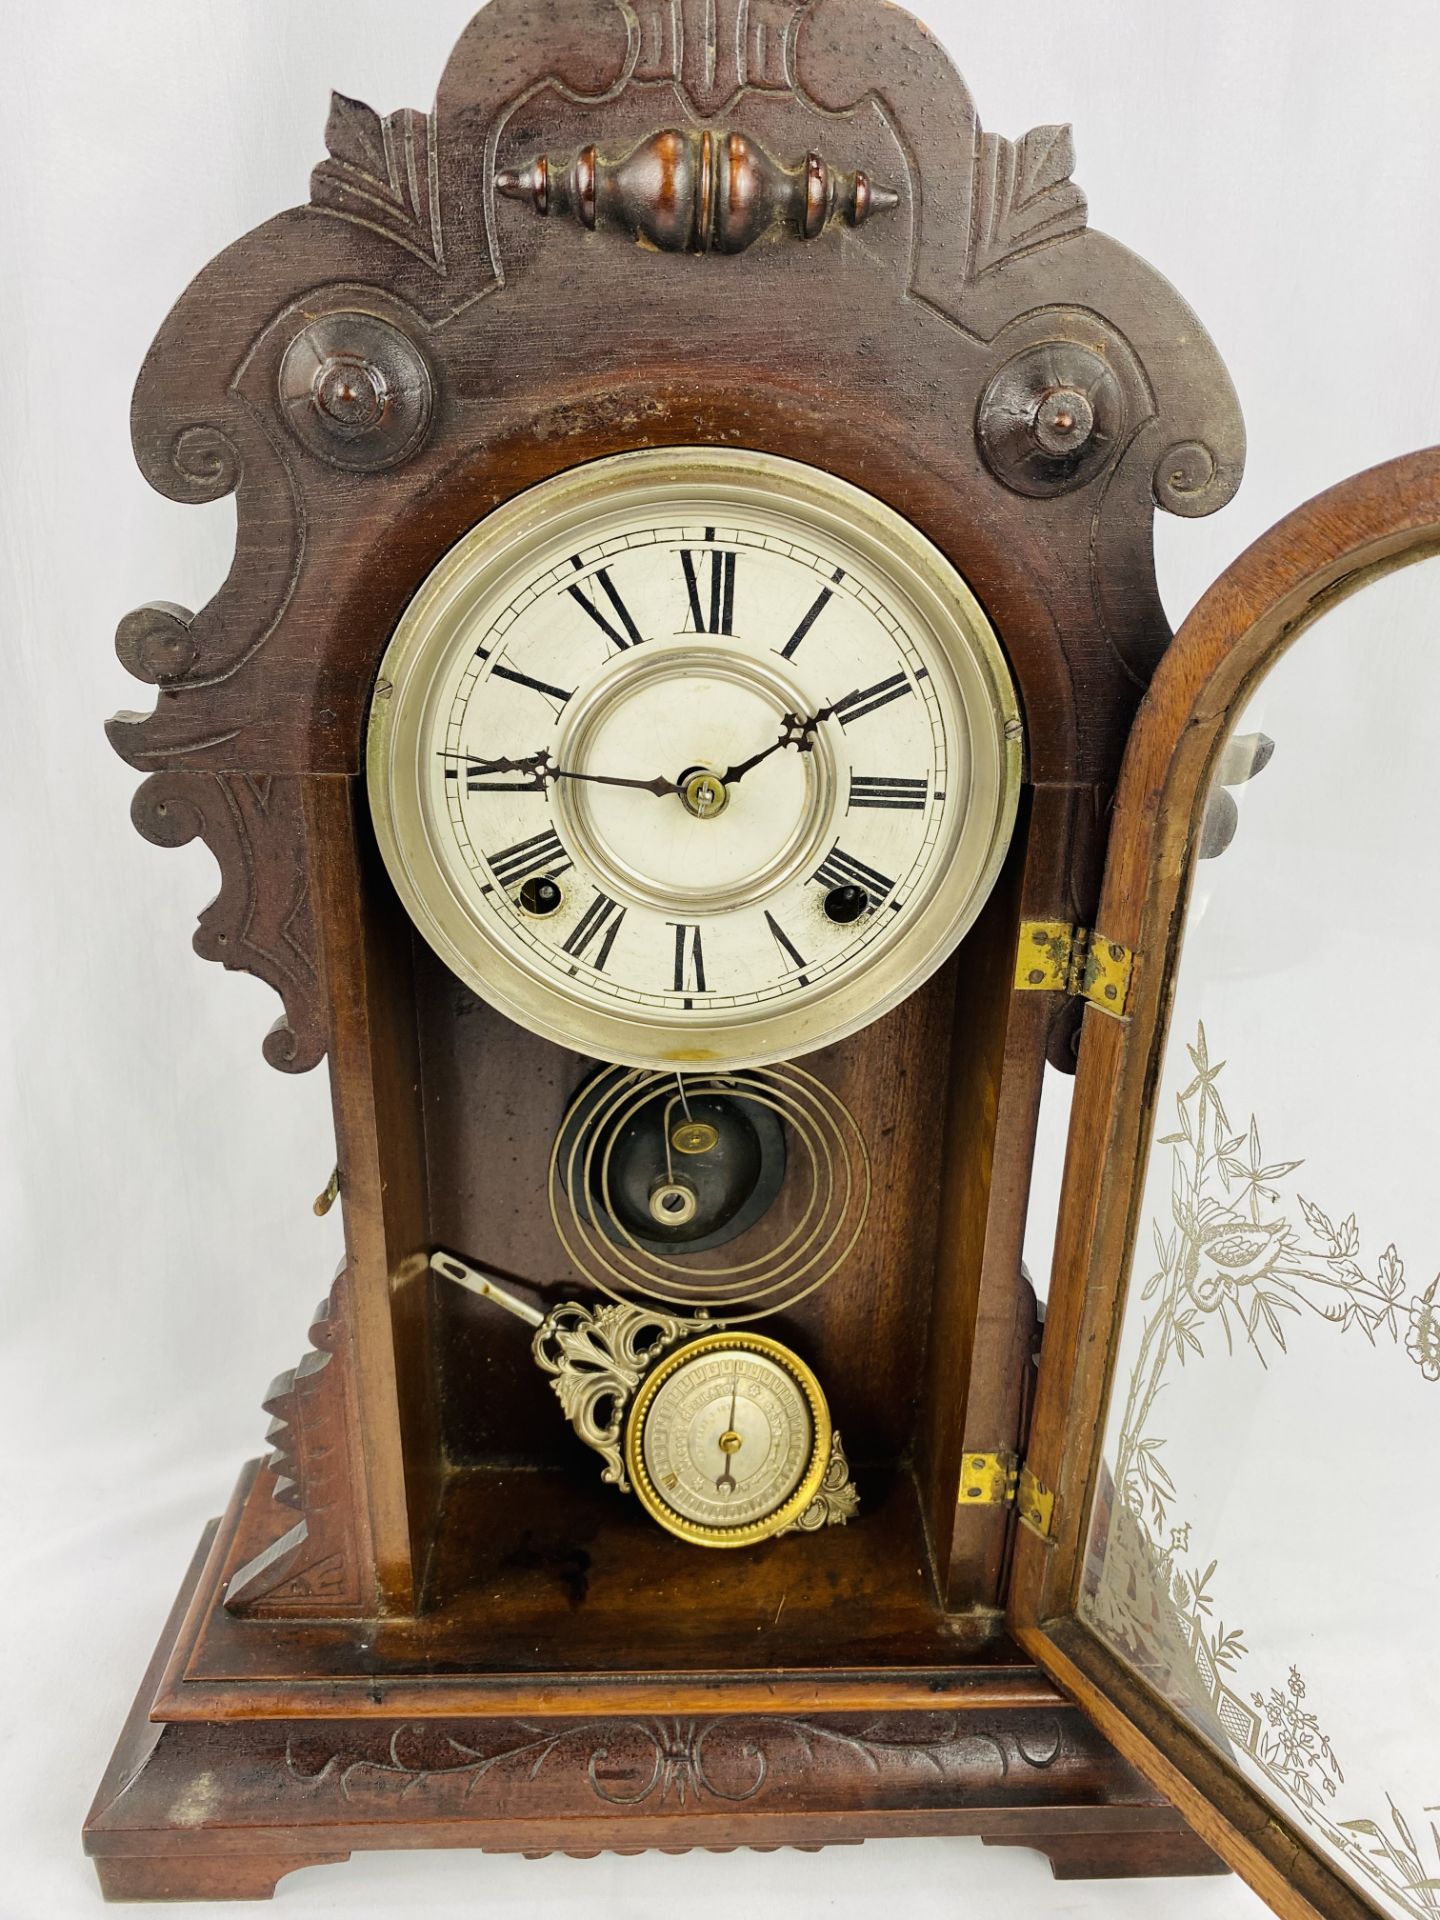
[1264,1547]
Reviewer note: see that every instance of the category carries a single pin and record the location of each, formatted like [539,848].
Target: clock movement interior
[522,1525]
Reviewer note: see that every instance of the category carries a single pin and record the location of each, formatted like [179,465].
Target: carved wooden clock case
[778,229]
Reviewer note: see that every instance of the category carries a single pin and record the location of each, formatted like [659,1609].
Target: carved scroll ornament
[261,921]
[698,192]
[624,1763]
[377,334]
[410,247]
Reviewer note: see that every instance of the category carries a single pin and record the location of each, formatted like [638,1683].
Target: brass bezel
[922,580]
[789,1511]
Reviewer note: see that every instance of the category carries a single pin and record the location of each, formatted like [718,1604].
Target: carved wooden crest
[369,335]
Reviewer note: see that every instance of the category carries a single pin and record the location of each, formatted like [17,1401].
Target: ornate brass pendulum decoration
[698,192]
[614,1367]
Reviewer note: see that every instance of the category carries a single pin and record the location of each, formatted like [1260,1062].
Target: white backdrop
[1281,163]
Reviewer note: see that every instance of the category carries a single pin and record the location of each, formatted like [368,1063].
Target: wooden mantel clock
[662,738]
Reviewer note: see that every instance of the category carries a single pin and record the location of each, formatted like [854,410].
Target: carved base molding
[199,1810]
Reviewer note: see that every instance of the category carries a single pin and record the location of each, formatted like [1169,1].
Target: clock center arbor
[694,581]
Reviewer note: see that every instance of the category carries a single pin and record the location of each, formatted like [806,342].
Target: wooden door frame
[1325,550]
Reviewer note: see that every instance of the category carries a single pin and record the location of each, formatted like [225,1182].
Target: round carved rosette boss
[1050,418]
[356,391]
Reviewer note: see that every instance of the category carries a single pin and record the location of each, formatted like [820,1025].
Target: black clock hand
[533,764]
[795,733]
[614,780]
[537,765]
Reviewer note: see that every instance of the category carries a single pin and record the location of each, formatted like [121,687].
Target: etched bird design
[1229,1253]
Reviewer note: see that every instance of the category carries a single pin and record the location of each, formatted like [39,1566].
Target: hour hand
[796,732]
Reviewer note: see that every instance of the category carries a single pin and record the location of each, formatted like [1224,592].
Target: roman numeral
[787,652]
[689,959]
[541,853]
[865,700]
[841,869]
[881,790]
[789,952]
[714,610]
[601,918]
[524,680]
[632,634]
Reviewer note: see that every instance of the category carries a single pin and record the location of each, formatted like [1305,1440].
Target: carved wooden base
[200,1810]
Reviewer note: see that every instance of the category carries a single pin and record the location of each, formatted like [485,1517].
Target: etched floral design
[1224,1256]
[1234,1259]
[1423,1341]
[1293,1747]
[1238,1258]
[1398,1864]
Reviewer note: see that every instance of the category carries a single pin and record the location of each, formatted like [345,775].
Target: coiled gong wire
[834,1169]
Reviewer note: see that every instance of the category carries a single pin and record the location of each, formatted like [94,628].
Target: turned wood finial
[698,192]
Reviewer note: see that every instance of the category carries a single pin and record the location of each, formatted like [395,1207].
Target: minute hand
[537,766]
[657,785]
[476,769]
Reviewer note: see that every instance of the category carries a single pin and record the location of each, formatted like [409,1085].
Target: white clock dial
[694,757]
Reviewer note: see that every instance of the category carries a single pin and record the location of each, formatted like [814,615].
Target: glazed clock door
[1239,1397]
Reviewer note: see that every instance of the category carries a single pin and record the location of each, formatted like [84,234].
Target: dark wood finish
[188,1810]
[694,190]
[503,1093]
[543,1600]
[1117,1856]
[369,375]
[314,1437]
[1329,547]
[981,1335]
[262,921]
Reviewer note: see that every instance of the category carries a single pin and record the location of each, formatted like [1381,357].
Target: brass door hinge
[1056,957]
[1035,1504]
[999,1480]
[989,1480]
